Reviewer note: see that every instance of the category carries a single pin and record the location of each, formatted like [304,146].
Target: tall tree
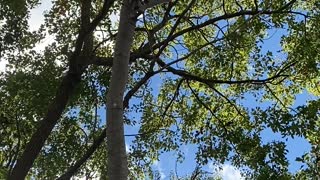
[212,59]
[77,65]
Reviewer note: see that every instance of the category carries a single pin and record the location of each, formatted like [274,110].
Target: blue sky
[167,162]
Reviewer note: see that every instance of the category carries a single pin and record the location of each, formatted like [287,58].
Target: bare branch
[132,91]
[74,168]
[190,76]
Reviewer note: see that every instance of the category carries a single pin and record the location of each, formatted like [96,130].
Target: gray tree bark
[117,158]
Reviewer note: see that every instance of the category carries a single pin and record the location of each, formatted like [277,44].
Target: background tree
[211,58]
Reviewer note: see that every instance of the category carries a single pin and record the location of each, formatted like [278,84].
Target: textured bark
[117,159]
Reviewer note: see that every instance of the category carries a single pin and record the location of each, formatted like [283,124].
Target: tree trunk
[64,92]
[117,158]
[38,139]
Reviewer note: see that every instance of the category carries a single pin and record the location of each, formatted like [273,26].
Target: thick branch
[73,169]
[132,91]
[90,28]
[190,76]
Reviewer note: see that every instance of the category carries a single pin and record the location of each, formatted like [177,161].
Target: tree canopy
[200,72]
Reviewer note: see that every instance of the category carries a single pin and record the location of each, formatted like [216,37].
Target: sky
[167,162]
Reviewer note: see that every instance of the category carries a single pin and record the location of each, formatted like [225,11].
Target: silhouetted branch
[190,76]
[176,93]
[74,168]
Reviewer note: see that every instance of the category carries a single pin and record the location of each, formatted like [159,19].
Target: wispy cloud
[37,14]
[228,172]
[185,149]
[157,166]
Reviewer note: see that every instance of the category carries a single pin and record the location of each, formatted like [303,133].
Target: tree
[212,58]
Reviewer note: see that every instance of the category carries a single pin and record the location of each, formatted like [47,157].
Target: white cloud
[185,149]
[36,19]
[227,172]
[157,166]
[115,17]
[41,45]
[3,65]
[37,14]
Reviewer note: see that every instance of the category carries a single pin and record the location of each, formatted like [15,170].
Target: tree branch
[224,17]
[74,168]
[190,76]
[207,107]
[130,93]
[176,93]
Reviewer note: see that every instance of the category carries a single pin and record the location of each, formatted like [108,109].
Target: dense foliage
[202,73]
